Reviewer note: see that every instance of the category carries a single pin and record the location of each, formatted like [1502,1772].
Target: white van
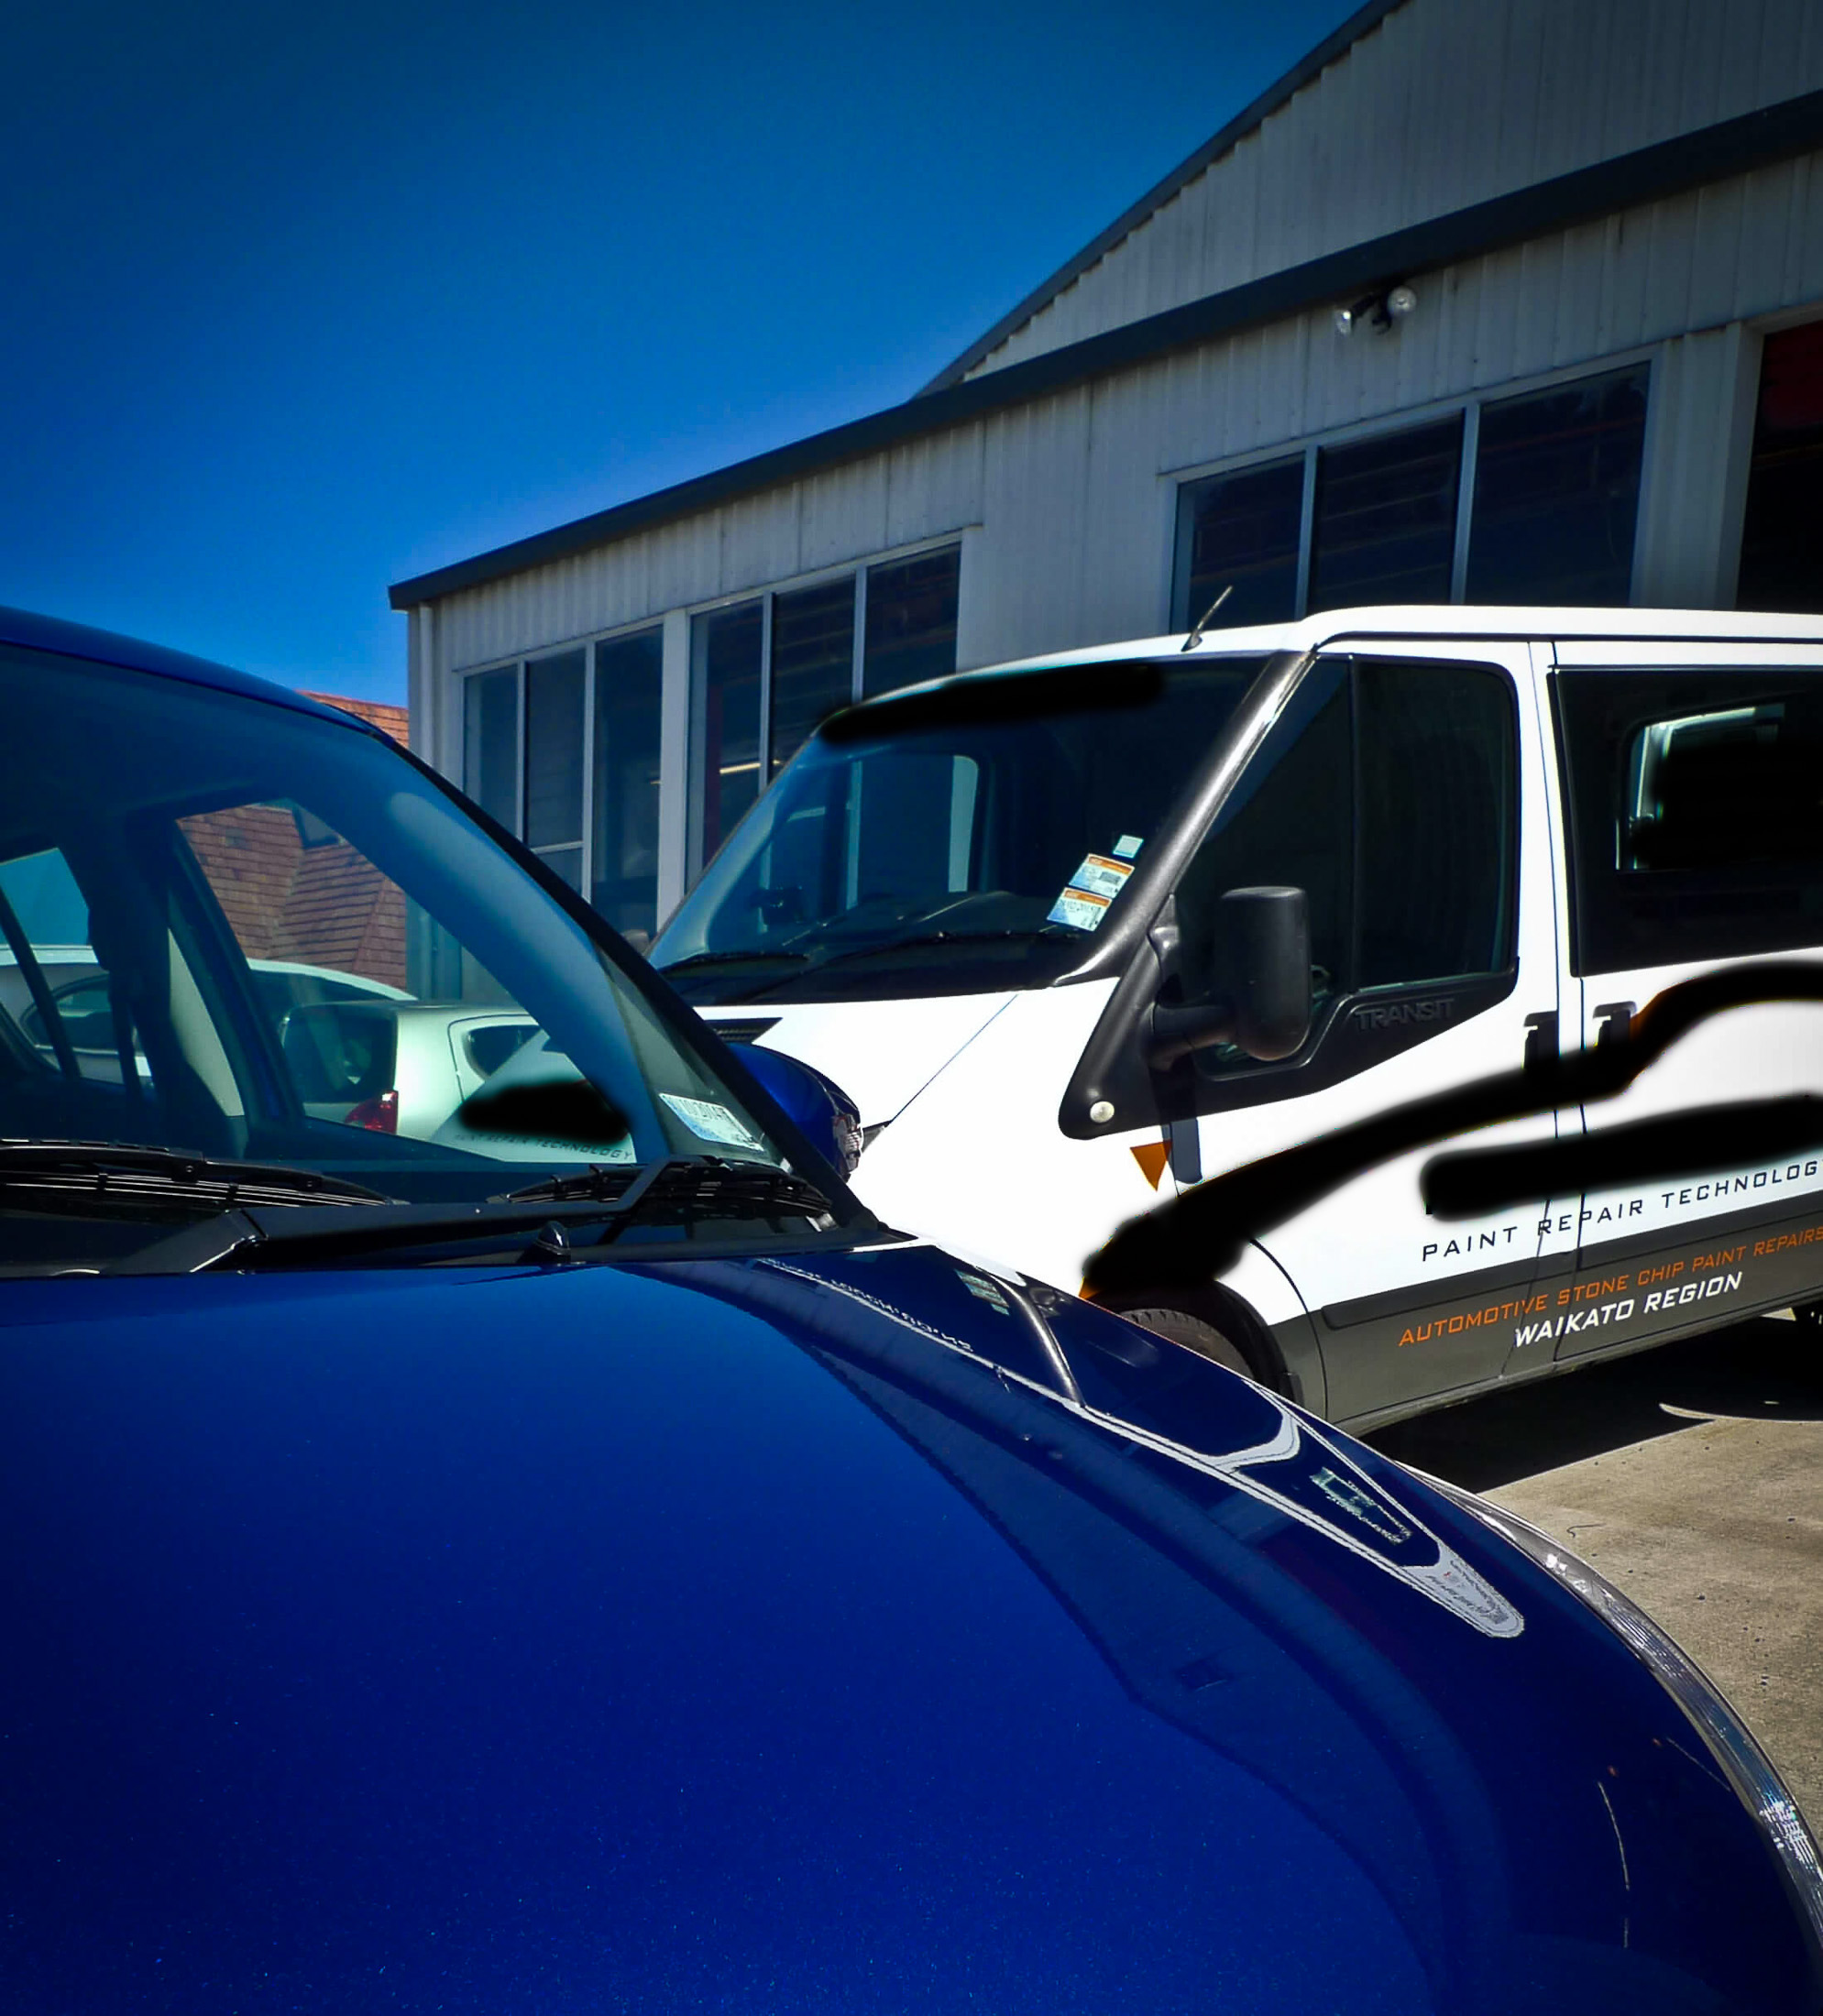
[1081,933]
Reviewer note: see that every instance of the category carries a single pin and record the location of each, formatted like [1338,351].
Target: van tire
[1194,1335]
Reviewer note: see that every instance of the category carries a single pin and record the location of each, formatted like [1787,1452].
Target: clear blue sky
[297,301]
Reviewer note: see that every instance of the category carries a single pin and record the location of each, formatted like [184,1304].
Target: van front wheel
[1194,1335]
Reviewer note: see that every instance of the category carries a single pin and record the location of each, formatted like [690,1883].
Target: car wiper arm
[726,959]
[42,1176]
[707,1183]
[918,938]
[534,1223]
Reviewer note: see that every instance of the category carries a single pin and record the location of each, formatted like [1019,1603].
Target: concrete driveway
[1692,1476]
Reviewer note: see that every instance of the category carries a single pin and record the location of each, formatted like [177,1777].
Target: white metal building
[1578,245]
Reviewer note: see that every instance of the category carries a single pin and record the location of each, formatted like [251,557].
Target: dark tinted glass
[911,620]
[341,1053]
[725,759]
[1295,828]
[490,1045]
[554,745]
[1557,493]
[1385,524]
[1696,813]
[628,677]
[1781,540]
[490,743]
[1241,532]
[934,856]
[813,661]
[1437,821]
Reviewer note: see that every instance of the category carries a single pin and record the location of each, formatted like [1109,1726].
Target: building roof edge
[1734,147]
[1362,22]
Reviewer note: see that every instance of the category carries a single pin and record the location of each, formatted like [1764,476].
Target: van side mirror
[1262,953]
[1263,940]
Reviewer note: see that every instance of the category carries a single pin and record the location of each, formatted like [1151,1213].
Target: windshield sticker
[1128,846]
[1087,894]
[712,1121]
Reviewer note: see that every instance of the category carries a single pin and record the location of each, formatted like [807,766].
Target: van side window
[1695,814]
[1436,824]
[1396,811]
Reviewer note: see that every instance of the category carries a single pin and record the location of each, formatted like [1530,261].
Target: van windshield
[963,837]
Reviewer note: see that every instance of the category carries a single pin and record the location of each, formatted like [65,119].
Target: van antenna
[1196,637]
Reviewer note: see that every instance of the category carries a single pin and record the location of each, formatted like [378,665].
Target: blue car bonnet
[794,1634]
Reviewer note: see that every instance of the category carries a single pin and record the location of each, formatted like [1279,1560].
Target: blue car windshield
[972,835]
[237,929]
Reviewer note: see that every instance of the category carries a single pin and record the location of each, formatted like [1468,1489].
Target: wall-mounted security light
[1379,310]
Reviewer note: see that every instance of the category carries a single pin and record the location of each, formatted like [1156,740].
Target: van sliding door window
[1695,814]
[1396,811]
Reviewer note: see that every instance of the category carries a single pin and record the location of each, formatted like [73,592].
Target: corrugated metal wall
[1445,103]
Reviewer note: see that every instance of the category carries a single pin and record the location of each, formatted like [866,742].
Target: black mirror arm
[1178,1033]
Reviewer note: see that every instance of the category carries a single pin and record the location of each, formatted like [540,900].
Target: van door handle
[1614,1018]
[1540,1042]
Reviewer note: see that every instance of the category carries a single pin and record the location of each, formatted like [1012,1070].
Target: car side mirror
[819,1108]
[1262,952]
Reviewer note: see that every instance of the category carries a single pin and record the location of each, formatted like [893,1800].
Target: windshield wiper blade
[44,1174]
[707,1183]
[529,1225]
[856,952]
[726,959]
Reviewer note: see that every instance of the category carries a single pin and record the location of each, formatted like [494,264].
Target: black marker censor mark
[1202,1232]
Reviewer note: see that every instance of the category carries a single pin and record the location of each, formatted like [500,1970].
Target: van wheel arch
[1210,1309]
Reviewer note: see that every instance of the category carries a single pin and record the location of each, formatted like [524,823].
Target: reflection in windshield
[981,845]
[243,932]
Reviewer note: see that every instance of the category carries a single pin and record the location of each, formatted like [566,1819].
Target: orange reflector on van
[1152,1156]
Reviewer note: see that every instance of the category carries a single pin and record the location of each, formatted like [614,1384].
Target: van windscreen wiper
[730,958]
[125,1178]
[917,940]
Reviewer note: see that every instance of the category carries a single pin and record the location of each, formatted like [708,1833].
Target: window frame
[518,665]
[1734,657]
[1186,481]
[858,571]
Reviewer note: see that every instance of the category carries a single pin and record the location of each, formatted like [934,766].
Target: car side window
[54,990]
[1696,813]
[326,935]
[1396,811]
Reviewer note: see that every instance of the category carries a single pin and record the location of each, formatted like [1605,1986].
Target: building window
[1551,478]
[727,685]
[911,620]
[556,701]
[766,672]
[623,859]
[490,743]
[1241,532]
[562,750]
[813,663]
[1557,493]
[1384,527]
[1782,538]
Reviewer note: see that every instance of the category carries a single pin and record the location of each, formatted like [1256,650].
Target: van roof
[1440,619]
